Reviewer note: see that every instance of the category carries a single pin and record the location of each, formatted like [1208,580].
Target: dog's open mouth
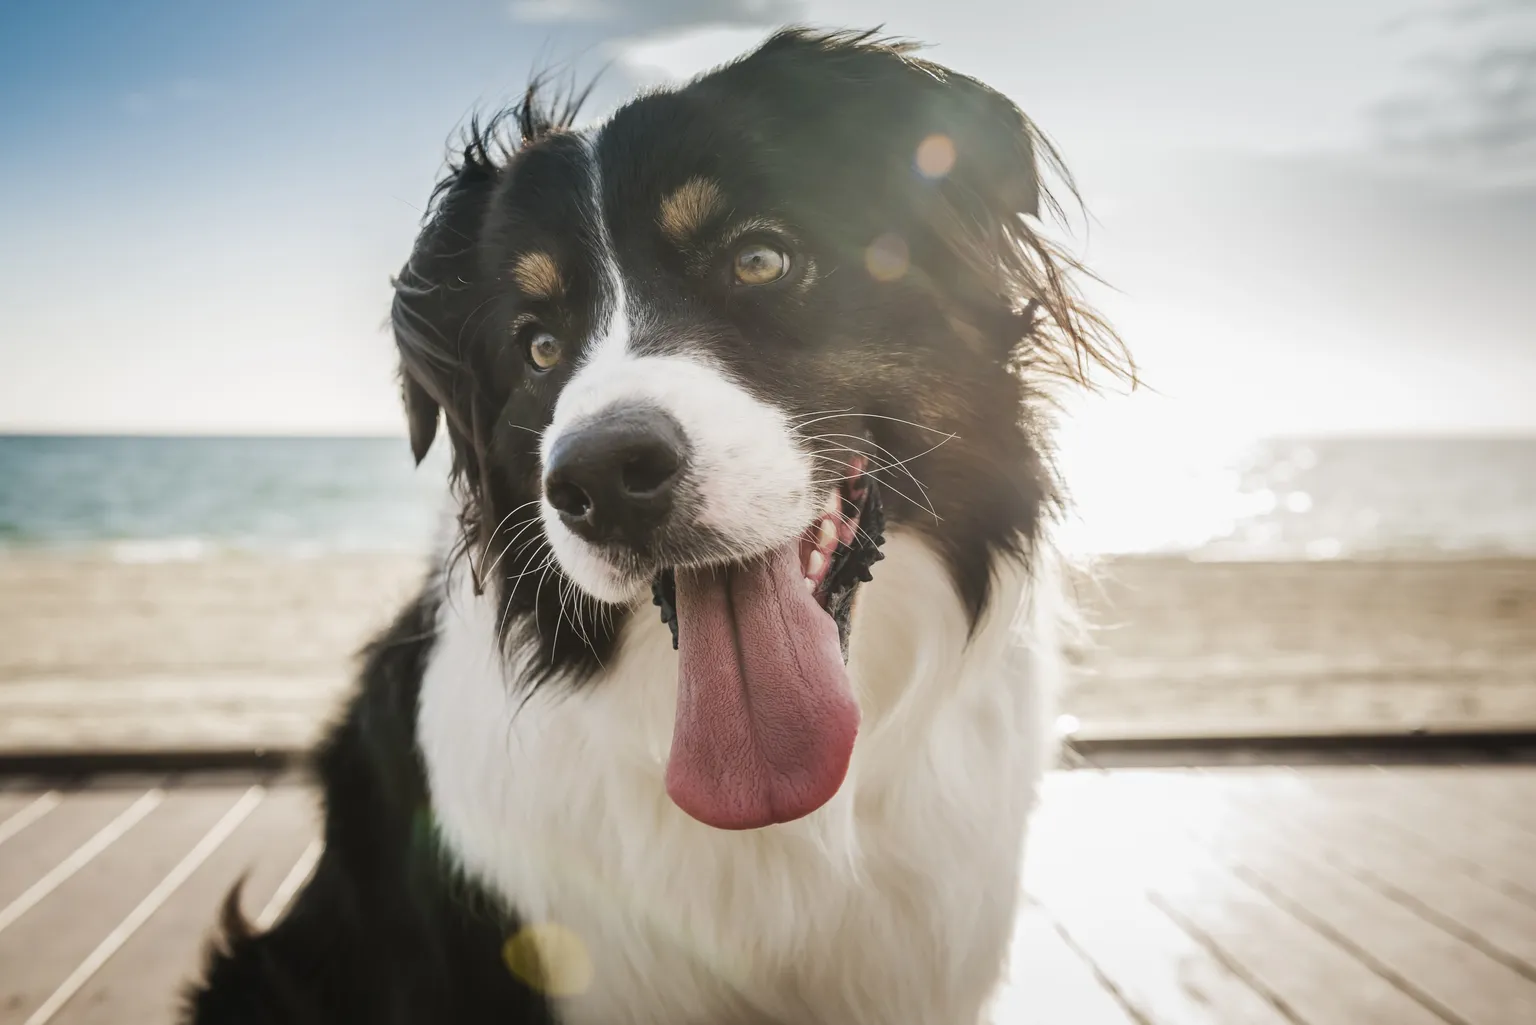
[766,718]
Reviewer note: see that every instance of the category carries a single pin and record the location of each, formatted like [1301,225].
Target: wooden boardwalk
[1319,896]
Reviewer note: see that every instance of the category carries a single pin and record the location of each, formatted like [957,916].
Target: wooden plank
[1446,795]
[1314,978]
[1504,856]
[288,888]
[52,837]
[1507,793]
[1451,890]
[1305,974]
[36,879]
[57,935]
[1455,978]
[12,801]
[195,712]
[1156,968]
[1232,898]
[145,979]
[16,815]
[152,902]
[1050,984]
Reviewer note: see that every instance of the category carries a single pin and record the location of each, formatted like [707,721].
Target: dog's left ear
[884,131]
[944,161]
[421,412]
[974,144]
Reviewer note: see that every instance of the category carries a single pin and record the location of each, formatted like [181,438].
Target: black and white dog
[729,701]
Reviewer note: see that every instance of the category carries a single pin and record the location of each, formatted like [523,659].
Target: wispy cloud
[673,56]
[667,40]
[1473,106]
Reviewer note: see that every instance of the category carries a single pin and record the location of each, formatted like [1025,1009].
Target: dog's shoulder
[385,929]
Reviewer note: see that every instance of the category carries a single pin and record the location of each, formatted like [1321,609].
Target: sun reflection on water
[1155,484]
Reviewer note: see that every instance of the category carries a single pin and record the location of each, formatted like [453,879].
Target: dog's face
[706,350]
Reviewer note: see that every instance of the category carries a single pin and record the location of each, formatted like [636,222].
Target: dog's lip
[834,529]
[857,548]
[831,513]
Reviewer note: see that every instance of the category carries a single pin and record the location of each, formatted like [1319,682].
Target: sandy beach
[245,652]
[226,653]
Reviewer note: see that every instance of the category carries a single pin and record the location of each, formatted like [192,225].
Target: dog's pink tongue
[765,717]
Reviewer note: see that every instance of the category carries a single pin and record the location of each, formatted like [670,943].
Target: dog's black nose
[612,479]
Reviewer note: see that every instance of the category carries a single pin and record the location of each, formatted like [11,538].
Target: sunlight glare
[1144,477]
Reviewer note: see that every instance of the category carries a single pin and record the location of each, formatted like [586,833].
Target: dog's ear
[949,164]
[421,411]
[437,288]
[972,144]
[884,130]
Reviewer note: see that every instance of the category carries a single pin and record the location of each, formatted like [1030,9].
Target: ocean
[163,498]
[166,498]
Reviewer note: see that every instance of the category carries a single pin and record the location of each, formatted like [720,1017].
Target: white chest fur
[892,904]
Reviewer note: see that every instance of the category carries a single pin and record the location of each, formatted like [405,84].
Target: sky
[1315,216]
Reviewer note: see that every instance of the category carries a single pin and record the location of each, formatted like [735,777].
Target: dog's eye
[543,348]
[759,264]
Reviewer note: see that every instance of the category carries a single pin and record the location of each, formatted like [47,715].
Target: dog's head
[702,353]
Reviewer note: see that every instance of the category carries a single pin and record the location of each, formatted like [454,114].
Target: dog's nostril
[568,499]
[648,470]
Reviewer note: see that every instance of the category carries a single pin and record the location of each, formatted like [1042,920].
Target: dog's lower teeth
[810,585]
[815,564]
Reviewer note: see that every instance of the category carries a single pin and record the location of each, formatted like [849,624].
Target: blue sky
[201,203]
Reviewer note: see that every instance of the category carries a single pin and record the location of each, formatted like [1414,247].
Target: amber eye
[759,264]
[543,349]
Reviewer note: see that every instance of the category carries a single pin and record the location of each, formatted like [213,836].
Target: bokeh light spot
[887,258]
[549,958]
[935,156]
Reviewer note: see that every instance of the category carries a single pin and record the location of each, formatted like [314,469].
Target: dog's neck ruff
[893,903]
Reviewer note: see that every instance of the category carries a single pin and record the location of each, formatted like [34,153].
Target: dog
[729,695]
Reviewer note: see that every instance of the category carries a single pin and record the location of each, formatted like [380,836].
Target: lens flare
[887,258]
[550,959]
[935,156]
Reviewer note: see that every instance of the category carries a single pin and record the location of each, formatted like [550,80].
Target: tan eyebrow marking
[537,274]
[685,211]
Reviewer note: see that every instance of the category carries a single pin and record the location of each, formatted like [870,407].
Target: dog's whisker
[496,530]
[828,413]
[532,521]
[900,464]
[548,556]
[872,468]
[562,603]
[877,416]
[537,592]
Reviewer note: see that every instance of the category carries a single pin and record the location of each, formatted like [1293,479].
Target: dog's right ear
[440,285]
[420,415]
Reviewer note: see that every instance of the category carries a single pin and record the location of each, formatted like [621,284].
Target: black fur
[940,367]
